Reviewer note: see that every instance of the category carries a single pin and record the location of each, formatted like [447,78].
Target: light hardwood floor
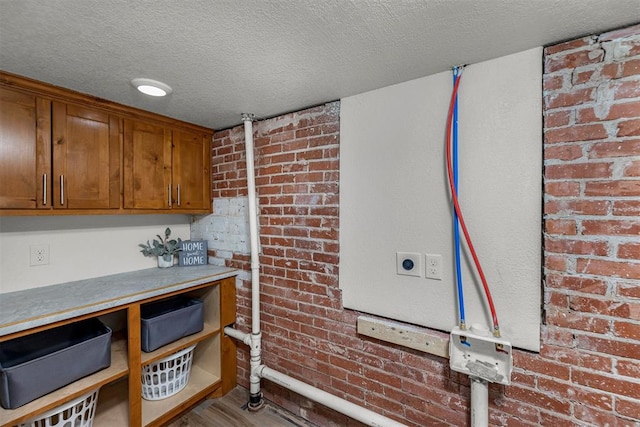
[230,411]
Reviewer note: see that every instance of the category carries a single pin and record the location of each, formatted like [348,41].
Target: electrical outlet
[39,255]
[434,267]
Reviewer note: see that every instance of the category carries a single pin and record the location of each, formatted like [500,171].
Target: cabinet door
[86,158]
[147,166]
[25,156]
[191,170]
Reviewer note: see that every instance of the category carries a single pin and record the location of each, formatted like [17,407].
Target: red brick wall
[588,371]
[592,226]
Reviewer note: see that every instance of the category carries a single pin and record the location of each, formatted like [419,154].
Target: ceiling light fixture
[152,87]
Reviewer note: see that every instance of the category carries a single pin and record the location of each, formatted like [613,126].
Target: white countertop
[31,308]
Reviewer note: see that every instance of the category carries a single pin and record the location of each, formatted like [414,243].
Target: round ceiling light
[152,87]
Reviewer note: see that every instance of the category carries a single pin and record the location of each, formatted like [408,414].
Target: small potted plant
[163,248]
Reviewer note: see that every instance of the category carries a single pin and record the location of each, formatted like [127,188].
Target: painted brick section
[588,370]
[226,230]
[592,195]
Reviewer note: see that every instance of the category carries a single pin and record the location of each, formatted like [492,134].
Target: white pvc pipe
[345,407]
[255,349]
[240,336]
[253,224]
[479,402]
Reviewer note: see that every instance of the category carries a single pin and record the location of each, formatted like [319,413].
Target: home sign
[194,252]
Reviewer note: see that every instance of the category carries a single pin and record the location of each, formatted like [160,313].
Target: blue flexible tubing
[456,229]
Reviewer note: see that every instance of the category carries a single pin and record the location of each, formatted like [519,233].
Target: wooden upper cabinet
[86,158]
[67,153]
[147,166]
[25,157]
[191,176]
[165,168]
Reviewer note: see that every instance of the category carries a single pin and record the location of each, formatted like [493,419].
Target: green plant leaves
[161,246]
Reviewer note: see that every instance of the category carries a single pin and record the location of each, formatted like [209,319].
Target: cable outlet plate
[409,264]
[477,353]
[39,255]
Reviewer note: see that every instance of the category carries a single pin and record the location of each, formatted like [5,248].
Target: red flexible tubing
[456,205]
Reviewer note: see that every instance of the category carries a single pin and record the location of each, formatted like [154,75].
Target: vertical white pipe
[479,402]
[253,224]
[256,336]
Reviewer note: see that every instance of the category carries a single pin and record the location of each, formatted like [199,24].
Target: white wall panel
[394,196]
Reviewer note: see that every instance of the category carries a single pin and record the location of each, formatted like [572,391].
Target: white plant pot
[165,261]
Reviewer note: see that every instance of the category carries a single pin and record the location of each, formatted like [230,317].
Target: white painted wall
[394,196]
[80,246]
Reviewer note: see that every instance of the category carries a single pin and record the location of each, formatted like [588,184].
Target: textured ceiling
[225,57]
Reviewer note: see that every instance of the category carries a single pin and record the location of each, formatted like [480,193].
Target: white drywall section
[80,246]
[394,196]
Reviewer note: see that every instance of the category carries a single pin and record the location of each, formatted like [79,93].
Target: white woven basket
[167,376]
[76,413]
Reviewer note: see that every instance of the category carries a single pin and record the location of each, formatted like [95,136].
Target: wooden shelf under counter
[117,299]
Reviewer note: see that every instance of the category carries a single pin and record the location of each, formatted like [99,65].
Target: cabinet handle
[178,195]
[44,189]
[169,189]
[62,189]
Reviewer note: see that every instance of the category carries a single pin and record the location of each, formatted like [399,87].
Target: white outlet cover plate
[39,255]
[477,353]
[433,266]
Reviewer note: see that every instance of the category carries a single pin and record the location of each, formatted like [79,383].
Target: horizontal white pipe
[240,336]
[345,407]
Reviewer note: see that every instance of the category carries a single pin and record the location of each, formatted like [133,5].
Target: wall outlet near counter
[39,255]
